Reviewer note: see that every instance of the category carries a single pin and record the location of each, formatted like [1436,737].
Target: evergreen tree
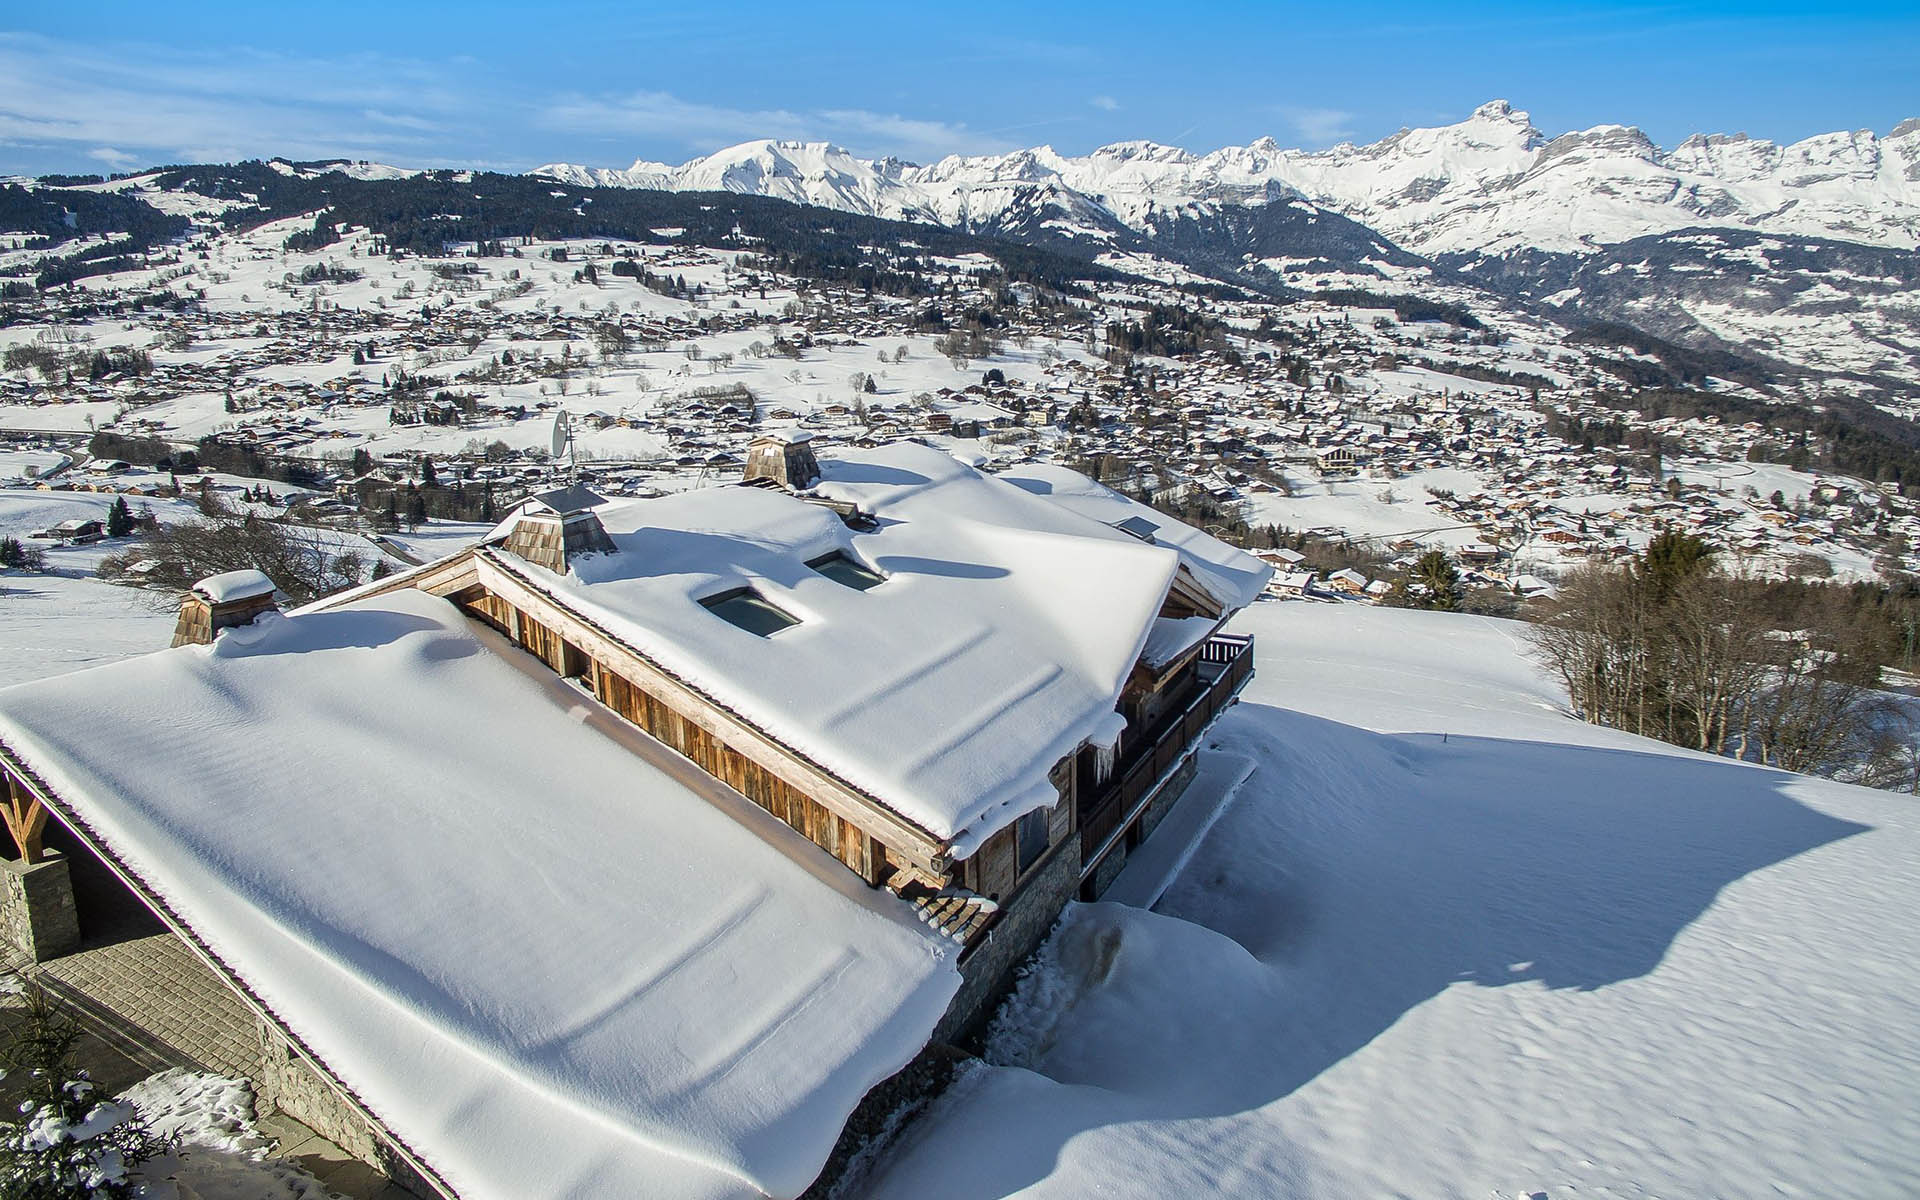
[1435,575]
[119,519]
[428,476]
[1669,558]
[17,554]
[67,1142]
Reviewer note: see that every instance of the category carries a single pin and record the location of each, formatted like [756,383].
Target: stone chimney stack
[222,602]
[786,458]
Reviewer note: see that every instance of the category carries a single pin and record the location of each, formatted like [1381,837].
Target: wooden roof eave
[1145,678]
[1187,588]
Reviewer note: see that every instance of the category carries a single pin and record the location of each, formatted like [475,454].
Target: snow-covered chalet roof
[999,642]
[1232,576]
[553,958]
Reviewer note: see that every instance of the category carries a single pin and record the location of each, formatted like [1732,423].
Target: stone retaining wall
[286,1081]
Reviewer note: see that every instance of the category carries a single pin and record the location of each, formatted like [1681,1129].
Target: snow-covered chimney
[222,602]
[786,458]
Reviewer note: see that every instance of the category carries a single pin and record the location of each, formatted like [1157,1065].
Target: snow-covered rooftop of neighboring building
[551,956]
[998,642]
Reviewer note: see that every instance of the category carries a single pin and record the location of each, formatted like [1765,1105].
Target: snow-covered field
[66,618]
[1381,510]
[1448,941]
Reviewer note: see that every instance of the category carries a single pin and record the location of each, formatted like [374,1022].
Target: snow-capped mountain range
[1596,225]
[1488,185]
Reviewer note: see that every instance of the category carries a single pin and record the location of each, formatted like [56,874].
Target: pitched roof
[998,643]
[573,498]
[552,957]
[1232,576]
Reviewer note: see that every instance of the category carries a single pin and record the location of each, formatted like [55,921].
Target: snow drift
[1449,942]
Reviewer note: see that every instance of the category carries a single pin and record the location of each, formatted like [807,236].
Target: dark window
[745,608]
[1139,527]
[843,570]
[1031,835]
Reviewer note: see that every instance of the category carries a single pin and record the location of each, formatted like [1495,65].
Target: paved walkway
[148,1003]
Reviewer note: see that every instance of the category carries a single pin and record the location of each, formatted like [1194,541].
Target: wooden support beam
[26,819]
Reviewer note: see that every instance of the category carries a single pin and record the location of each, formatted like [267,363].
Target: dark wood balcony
[1148,758]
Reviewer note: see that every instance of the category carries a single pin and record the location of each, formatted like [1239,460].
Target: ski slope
[1449,942]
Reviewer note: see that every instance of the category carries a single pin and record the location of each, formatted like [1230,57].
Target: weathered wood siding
[862,854]
[994,871]
[838,837]
[1060,820]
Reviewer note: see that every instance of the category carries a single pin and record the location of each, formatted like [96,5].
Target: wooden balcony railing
[1226,661]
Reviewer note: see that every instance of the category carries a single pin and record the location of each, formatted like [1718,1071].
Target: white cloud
[705,127]
[1106,103]
[161,104]
[1320,126]
[68,101]
[907,136]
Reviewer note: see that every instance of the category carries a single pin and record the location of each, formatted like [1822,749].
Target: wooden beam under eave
[26,819]
[441,577]
[1187,591]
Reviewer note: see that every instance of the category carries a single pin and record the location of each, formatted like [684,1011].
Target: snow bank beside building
[1448,941]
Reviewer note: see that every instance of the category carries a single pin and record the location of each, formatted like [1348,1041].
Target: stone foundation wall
[988,971]
[1163,803]
[37,912]
[286,1082]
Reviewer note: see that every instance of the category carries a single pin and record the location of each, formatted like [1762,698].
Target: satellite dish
[558,444]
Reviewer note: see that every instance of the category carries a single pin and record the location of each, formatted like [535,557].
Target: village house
[76,531]
[633,846]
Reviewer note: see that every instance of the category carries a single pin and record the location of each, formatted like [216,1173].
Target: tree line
[1679,646]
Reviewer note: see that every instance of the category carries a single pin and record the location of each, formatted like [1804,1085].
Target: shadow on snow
[1356,876]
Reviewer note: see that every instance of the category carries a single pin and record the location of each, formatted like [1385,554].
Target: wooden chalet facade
[1106,798]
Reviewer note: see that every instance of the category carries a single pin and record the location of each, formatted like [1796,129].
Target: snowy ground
[1449,942]
[218,1154]
[1381,510]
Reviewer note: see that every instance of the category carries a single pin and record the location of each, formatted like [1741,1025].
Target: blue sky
[101,87]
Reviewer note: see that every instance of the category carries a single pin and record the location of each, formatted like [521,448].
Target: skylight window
[846,572]
[749,610]
[1139,527]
